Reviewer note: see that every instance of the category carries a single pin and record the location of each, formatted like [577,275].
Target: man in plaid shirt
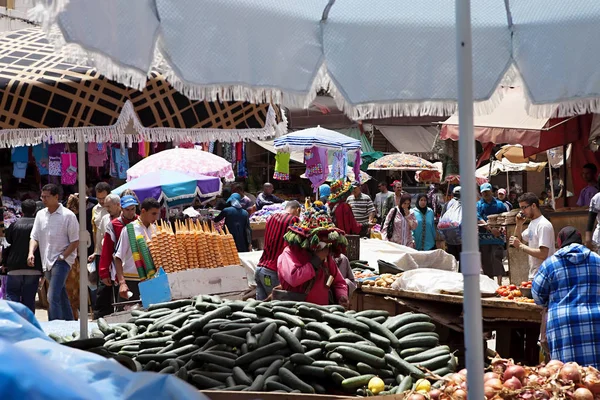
[568,284]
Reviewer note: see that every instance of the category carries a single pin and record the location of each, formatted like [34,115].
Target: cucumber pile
[280,346]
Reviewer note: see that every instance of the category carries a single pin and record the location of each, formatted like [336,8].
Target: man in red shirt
[109,243]
[266,270]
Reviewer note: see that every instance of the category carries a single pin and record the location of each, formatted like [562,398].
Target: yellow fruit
[423,386]
[376,385]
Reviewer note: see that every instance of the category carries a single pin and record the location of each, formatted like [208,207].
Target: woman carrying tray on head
[341,212]
[307,269]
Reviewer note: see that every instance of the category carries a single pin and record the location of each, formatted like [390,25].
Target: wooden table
[517,325]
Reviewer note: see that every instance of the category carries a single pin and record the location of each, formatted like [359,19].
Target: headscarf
[234,200]
[403,199]
[569,235]
[422,209]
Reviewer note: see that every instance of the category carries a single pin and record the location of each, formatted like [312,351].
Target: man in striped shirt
[362,205]
[277,225]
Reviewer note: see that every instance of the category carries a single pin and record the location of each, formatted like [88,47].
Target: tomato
[524,284]
[510,296]
[512,287]
[517,293]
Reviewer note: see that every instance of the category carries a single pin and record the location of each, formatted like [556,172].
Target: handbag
[286,295]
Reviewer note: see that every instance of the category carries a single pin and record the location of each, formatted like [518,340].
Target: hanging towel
[339,165]
[282,167]
[356,167]
[19,170]
[40,153]
[19,154]
[68,168]
[121,162]
[54,166]
[317,169]
[97,154]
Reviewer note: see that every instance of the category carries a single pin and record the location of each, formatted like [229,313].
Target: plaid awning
[45,98]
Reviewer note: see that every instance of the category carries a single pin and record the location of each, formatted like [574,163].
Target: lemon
[376,385]
[423,386]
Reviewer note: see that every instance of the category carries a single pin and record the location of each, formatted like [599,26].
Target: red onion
[514,371]
[541,394]
[583,394]
[494,383]
[533,379]
[513,383]
[570,373]
[416,396]
[459,395]
[490,375]
[463,373]
[545,372]
[592,383]
[435,394]
[554,365]
[489,392]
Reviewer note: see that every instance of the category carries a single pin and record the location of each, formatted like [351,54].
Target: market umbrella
[187,161]
[173,187]
[364,177]
[320,137]
[480,179]
[428,176]
[402,162]
[343,45]
[514,154]
[505,165]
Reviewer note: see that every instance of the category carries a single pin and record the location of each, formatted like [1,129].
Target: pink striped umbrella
[188,161]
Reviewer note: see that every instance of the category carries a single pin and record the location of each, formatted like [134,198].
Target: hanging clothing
[317,168]
[40,153]
[241,165]
[55,150]
[356,167]
[19,154]
[121,162]
[424,234]
[19,170]
[97,155]
[54,168]
[339,165]
[282,167]
[68,168]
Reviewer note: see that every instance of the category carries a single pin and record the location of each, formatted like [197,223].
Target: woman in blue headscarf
[424,234]
[237,221]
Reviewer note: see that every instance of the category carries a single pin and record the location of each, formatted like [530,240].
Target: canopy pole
[507,183]
[470,259]
[83,234]
[551,185]
[565,175]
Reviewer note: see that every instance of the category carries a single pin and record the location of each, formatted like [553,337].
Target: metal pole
[565,175]
[470,258]
[83,234]
[551,185]
[507,183]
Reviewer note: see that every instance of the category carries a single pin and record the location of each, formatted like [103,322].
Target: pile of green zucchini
[280,346]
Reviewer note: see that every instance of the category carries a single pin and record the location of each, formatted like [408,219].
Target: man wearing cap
[384,202]
[503,199]
[108,296]
[491,254]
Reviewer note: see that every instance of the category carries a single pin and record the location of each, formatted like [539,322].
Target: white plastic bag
[450,222]
[427,280]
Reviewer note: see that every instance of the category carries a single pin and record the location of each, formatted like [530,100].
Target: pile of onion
[506,380]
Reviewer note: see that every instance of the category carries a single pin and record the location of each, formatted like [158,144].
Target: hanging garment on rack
[282,166]
[339,165]
[121,162]
[317,169]
[19,170]
[54,166]
[68,168]
[97,154]
[19,154]
[242,170]
[356,167]
[56,149]
[144,149]
[40,153]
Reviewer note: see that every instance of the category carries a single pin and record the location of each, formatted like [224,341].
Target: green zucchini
[310,371]
[436,362]
[344,372]
[311,344]
[379,340]
[289,319]
[290,379]
[272,386]
[104,327]
[260,327]
[351,384]
[424,341]
[428,354]
[244,315]
[264,311]
[414,327]
[230,340]
[359,355]
[259,353]
[345,322]
[379,330]
[199,323]
[267,336]
[213,358]
[347,337]
[371,349]
[217,368]
[311,312]
[403,366]
[291,311]
[333,356]
[240,377]
[145,358]
[372,314]
[404,319]
[324,330]
[225,354]
[442,371]
[324,363]
[204,382]
[413,351]
[291,339]
[171,304]
[405,384]
[150,343]
[315,353]
[301,359]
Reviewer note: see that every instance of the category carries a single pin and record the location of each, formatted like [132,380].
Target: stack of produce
[192,245]
[383,280]
[506,380]
[283,346]
[511,292]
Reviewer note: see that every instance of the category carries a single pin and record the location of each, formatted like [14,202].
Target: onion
[570,373]
[583,394]
[490,375]
[592,383]
[435,394]
[533,379]
[545,372]
[463,373]
[463,385]
[494,383]
[514,371]
[416,396]
[499,365]
[457,378]
[554,365]
[541,394]
[489,392]
[459,395]
[513,383]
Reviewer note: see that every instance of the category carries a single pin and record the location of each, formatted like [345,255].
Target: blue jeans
[266,280]
[22,289]
[59,305]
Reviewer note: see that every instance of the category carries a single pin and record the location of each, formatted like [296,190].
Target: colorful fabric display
[356,167]
[40,153]
[19,170]
[97,155]
[339,165]
[120,161]
[317,168]
[242,170]
[144,149]
[68,168]
[19,154]
[282,167]
[54,166]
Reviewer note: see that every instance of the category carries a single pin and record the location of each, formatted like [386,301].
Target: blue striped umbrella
[320,137]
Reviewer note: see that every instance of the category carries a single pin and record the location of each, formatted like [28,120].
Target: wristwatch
[61,257]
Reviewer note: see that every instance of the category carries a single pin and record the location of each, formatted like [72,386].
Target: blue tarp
[35,367]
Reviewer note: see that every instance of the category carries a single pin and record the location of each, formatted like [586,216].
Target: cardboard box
[192,282]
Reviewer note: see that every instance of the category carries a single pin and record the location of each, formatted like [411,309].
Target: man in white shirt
[127,275]
[56,233]
[539,235]
[98,213]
